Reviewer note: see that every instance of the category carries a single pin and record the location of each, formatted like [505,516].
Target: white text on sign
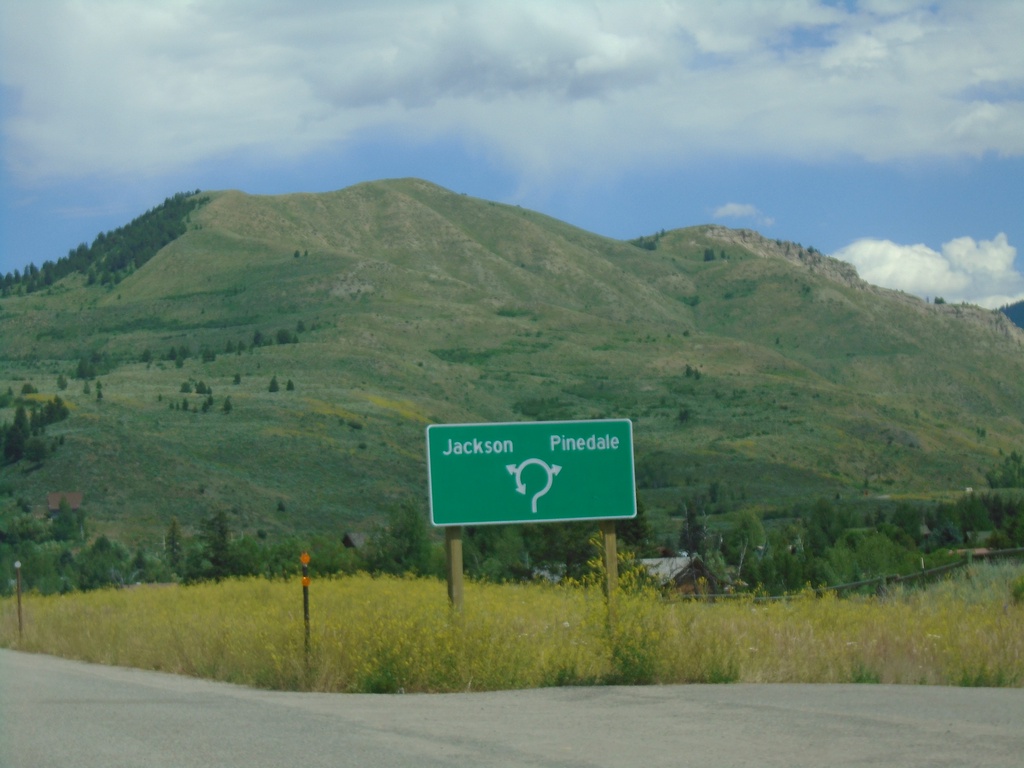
[460,448]
[561,443]
[592,443]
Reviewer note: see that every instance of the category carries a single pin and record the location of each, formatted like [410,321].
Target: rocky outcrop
[846,274]
[809,258]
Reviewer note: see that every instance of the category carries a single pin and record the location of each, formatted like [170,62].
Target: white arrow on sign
[517,471]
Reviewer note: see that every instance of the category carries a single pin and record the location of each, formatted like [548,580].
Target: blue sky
[889,133]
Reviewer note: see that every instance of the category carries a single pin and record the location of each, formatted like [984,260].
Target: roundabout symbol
[517,471]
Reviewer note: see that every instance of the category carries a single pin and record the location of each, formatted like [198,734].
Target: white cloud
[736,210]
[743,211]
[979,272]
[114,87]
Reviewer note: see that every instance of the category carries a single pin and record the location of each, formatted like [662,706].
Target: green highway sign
[526,472]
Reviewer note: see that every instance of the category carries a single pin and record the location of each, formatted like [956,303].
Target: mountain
[758,373]
[1015,312]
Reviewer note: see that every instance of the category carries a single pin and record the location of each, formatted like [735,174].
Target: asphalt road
[55,712]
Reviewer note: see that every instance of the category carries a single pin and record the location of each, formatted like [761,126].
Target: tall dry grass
[392,634]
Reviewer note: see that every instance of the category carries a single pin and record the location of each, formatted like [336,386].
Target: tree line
[819,545]
[88,367]
[825,544]
[58,556]
[777,551]
[115,253]
[24,438]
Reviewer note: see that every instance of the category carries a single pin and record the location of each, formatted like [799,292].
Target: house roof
[684,574]
[74,499]
[665,568]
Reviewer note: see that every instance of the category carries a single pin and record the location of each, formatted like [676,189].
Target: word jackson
[465,447]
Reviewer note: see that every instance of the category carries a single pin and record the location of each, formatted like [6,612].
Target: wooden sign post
[611,566]
[453,555]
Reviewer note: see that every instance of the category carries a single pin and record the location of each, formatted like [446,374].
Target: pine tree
[403,545]
[217,545]
[691,538]
[17,435]
[636,532]
[173,545]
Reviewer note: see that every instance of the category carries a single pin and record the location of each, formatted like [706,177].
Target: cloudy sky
[889,133]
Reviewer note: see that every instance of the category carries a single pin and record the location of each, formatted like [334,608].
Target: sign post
[529,472]
[611,566]
[304,559]
[453,557]
[17,572]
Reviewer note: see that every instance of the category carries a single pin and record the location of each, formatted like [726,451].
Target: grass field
[398,634]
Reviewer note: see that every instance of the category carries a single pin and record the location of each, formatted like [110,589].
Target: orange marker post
[17,570]
[304,559]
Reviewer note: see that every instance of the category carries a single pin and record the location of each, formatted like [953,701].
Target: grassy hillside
[763,376]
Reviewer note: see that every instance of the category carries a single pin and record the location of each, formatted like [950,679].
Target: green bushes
[1017,590]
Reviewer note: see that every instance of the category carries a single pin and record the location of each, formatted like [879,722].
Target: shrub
[1017,590]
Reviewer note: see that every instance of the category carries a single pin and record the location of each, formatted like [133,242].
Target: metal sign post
[17,571]
[304,559]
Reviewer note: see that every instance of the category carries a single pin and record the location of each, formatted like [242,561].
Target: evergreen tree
[104,563]
[1010,474]
[496,553]
[64,525]
[691,538]
[217,545]
[17,435]
[36,450]
[908,520]
[564,548]
[403,544]
[635,532]
[173,545]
